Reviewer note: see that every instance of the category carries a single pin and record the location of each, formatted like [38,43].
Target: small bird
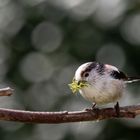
[100,83]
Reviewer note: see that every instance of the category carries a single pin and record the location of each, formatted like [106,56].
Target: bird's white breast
[103,93]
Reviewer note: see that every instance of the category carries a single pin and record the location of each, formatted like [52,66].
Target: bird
[105,83]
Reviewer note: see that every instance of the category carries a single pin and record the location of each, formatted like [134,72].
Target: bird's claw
[117,109]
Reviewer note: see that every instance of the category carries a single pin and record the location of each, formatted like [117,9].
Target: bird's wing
[119,75]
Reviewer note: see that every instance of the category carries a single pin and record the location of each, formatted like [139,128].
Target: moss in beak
[77,85]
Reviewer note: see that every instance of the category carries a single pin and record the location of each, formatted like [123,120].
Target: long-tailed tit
[100,83]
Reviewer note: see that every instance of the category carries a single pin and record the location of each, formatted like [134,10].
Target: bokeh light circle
[47,37]
[35,67]
[130,29]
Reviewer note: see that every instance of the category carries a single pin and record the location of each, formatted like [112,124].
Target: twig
[6,91]
[65,117]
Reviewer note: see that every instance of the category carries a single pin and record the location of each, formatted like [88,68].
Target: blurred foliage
[42,42]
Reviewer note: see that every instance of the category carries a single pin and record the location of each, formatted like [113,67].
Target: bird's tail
[132,79]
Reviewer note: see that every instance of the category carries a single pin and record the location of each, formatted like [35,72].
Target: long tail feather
[132,79]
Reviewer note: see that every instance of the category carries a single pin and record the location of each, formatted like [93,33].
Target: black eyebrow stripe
[89,68]
[94,65]
[100,68]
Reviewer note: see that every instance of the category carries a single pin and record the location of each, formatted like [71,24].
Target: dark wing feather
[119,75]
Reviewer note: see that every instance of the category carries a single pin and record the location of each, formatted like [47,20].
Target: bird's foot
[117,109]
[93,109]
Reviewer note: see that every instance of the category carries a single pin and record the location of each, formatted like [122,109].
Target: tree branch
[65,117]
[6,91]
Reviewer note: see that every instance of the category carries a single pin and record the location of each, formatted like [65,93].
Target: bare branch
[6,91]
[65,117]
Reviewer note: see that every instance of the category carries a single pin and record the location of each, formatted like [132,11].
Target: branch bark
[65,117]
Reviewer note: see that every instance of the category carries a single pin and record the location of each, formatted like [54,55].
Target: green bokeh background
[42,43]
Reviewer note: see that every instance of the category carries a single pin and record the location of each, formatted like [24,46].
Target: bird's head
[82,76]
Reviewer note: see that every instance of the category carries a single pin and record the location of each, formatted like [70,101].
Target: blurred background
[42,42]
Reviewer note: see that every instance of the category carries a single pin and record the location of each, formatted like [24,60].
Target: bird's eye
[86,74]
